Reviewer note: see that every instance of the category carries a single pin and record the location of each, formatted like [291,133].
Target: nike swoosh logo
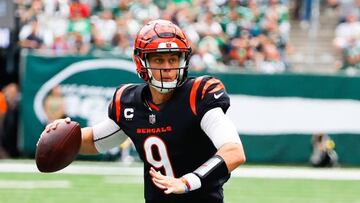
[217,96]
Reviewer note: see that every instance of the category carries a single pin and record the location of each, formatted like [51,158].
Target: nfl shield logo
[152,118]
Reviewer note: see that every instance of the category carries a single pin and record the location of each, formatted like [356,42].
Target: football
[57,148]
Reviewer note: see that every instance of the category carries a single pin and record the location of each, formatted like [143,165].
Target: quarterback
[178,124]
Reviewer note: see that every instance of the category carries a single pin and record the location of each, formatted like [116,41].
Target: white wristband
[193,180]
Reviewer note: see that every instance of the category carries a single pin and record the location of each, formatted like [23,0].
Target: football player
[178,124]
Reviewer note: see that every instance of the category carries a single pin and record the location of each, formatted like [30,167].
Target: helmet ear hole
[145,76]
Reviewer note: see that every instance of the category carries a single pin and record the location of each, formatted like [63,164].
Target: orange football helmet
[161,36]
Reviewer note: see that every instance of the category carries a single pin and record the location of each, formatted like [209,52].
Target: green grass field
[34,187]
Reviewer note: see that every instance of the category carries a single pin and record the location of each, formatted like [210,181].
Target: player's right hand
[167,183]
[54,124]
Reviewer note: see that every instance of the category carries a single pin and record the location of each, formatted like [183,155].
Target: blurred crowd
[347,33]
[224,34]
[9,112]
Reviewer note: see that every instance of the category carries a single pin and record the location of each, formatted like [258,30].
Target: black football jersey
[169,137]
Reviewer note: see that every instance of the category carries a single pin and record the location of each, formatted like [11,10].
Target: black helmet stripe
[156,37]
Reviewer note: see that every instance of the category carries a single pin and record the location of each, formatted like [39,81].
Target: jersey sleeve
[107,135]
[208,93]
[114,110]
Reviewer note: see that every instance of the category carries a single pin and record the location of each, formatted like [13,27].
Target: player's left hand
[167,183]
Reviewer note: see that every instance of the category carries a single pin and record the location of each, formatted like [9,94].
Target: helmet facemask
[160,85]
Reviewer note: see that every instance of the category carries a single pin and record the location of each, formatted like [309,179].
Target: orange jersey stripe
[118,102]
[208,84]
[218,87]
[193,94]
[3,104]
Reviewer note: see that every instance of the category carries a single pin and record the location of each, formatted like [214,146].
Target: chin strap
[165,88]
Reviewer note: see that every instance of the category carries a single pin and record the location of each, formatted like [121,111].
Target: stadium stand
[246,35]
[312,43]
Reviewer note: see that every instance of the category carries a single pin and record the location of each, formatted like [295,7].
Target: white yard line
[298,173]
[122,180]
[33,184]
[243,172]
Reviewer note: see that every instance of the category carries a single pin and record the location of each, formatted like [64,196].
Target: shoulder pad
[115,105]
[201,87]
